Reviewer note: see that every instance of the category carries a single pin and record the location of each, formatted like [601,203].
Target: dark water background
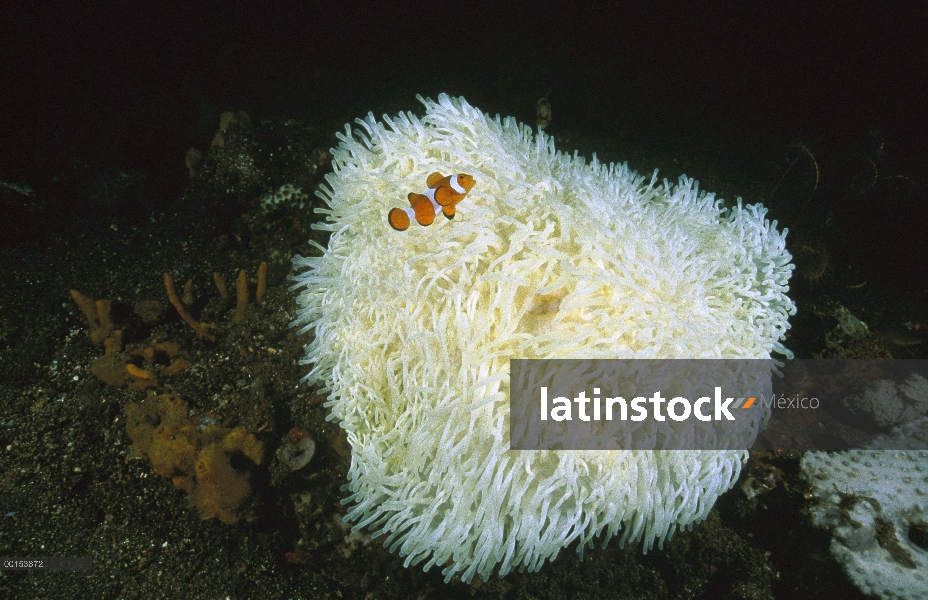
[118,83]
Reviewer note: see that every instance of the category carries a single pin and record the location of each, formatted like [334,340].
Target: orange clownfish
[442,195]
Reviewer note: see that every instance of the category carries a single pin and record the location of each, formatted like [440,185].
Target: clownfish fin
[434,179]
[398,219]
[449,211]
[422,206]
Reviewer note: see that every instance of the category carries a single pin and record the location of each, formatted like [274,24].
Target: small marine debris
[23,190]
[543,113]
[229,121]
[353,539]
[296,450]
[850,325]
[192,161]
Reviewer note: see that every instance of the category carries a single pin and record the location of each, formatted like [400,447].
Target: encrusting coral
[194,455]
[549,257]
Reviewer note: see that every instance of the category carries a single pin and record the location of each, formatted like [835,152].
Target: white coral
[548,257]
[870,499]
[887,403]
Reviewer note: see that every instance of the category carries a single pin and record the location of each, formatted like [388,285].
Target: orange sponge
[197,460]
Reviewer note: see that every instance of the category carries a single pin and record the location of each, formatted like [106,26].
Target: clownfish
[442,195]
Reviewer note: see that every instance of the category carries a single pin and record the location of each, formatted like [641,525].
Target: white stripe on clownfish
[430,194]
[454,185]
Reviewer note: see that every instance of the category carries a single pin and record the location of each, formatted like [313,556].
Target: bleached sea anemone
[548,257]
